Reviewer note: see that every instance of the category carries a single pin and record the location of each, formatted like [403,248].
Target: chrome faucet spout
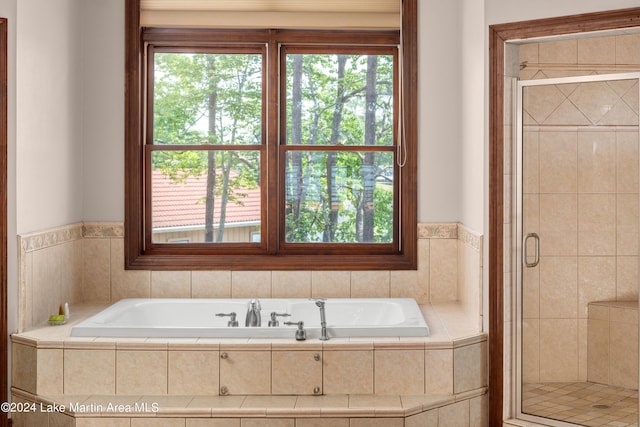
[253,314]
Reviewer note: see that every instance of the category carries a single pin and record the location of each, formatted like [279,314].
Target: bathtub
[196,318]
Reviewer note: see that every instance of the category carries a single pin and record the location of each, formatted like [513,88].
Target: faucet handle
[232,322]
[301,334]
[274,321]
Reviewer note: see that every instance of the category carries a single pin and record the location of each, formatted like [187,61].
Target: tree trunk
[368,166]
[332,191]
[297,182]
[211,155]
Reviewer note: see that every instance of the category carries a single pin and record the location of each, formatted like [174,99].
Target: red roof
[182,204]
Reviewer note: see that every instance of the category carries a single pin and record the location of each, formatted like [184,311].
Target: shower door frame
[500,393]
[518,236]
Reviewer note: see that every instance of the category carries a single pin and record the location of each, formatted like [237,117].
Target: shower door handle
[525,256]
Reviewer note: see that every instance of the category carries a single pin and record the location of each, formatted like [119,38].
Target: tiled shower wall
[581,191]
[85,263]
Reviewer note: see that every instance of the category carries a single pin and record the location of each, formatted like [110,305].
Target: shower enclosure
[577,249]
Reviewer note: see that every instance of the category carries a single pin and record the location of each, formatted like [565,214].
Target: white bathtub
[195,318]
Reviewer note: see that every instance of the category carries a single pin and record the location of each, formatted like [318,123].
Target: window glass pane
[207,98]
[205,196]
[339,99]
[339,197]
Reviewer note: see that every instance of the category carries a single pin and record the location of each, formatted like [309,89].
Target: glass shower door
[577,250]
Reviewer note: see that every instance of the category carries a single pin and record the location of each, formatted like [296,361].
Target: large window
[270,149]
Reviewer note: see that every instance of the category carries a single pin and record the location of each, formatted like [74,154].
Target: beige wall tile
[455,415]
[322,422]
[424,419]
[103,422]
[558,224]
[96,270]
[141,372]
[170,284]
[531,350]
[529,52]
[251,284]
[296,372]
[582,349]
[291,284]
[558,162]
[49,371]
[23,367]
[598,351]
[268,422]
[596,162]
[47,283]
[331,284]
[25,296]
[406,284]
[157,422]
[348,372]
[531,291]
[623,354]
[479,411]
[596,224]
[470,367]
[208,422]
[627,49]
[211,284]
[627,278]
[28,419]
[443,270]
[97,365]
[58,419]
[370,284]
[596,281]
[194,372]
[559,52]
[597,50]
[377,422]
[531,162]
[71,272]
[627,175]
[558,287]
[399,371]
[627,215]
[438,369]
[127,283]
[246,372]
[558,350]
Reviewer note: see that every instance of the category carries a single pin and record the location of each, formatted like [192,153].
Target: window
[269,149]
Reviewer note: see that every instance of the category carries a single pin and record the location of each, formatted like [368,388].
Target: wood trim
[498,36]
[4,347]
[141,254]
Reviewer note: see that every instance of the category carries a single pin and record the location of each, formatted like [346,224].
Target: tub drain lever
[233,323]
[301,334]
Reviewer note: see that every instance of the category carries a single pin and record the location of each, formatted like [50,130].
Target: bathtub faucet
[323,319]
[253,313]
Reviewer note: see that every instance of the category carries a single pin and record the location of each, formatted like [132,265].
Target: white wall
[439,126]
[103,121]
[48,114]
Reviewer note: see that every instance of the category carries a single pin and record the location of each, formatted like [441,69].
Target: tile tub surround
[84,263]
[612,355]
[383,377]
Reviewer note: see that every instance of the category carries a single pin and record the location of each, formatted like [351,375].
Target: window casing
[274,244]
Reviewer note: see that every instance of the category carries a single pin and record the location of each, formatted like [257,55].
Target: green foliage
[214,101]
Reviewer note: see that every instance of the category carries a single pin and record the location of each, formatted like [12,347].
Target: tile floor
[582,403]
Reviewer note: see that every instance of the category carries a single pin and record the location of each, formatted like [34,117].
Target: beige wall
[580,194]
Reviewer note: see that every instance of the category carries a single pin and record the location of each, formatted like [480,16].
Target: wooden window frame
[140,254]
